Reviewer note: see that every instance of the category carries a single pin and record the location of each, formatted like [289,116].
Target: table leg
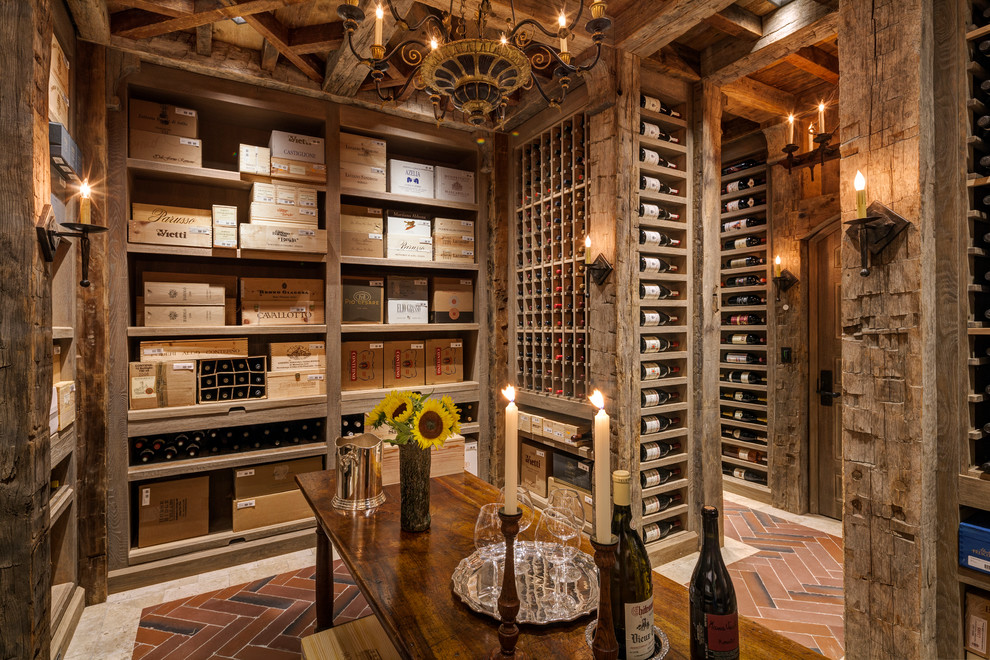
[324,581]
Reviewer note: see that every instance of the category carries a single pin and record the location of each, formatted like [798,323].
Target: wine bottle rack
[743,355]
[551,332]
[661,210]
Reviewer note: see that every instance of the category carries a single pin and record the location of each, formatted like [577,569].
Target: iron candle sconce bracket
[783,282]
[49,238]
[822,153]
[875,232]
[599,270]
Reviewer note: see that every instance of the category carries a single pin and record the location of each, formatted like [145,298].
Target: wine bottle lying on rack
[745,358]
[744,300]
[743,434]
[744,280]
[746,319]
[654,104]
[745,242]
[655,212]
[748,416]
[655,265]
[653,344]
[657,239]
[654,132]
[746,474]
[656,397]
[651,157]
[744,262]
[714,617]
[653,532]
[742,223]
[655,185]
[659,503]
[656,370]
[742,203]
[742,184]
[741,165]
[658,476]
[743,396]
[656,423]
[744,338]
[656,292]
[745,454]
[649,318]
[654,451]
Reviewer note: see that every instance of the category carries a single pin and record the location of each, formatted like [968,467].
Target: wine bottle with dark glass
[714,617]
[632,583]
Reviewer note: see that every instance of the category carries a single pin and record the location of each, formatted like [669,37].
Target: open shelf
[742,174]
[208,463]
[660,118]
[675,148]
[224,330]
[360,401]
[224,253]
[60,502]
[62,444]
[585,451]
[665,514]
[745,192]
[399,263]
[231,413]
[389,328]
[742,462]
[186,174]
[390,200]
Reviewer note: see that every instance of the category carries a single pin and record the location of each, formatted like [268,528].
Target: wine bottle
[653,344]
[656,292]
[654,104]
[745,280]
[744,262]
[743,434]
[741,184]
[741,165]
[740,243]
[656,423]
[745,338]
[657,476]
[660,530]
[743,395]
[650,157]
[745,319]
[649,318]
[655,265]
[632,582]
[739,204]
[753,476]
[654,132]
[660,503]
[655,370]
[655,185]
[744,358]
[745,300]
[747,377]
[714,618]
[742,223]
[654,451]
[742,453]
[657,239]
[655,212]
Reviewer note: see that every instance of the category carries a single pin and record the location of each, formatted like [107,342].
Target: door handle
[823,388]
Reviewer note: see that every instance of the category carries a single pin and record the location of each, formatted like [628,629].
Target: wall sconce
[600,268]
[822,153]
[49,237]
[782,279]
[875,228]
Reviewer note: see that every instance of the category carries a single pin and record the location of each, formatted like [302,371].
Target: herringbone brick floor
[794,583]
[261,620]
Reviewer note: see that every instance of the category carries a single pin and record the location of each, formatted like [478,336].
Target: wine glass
[489,541]
[557,529]
[569,500]
[525,503]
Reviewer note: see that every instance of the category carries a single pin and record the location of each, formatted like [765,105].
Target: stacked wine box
[743,355]
[551,332]
[664,306]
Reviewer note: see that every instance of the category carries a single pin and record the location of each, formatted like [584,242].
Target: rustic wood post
[25,333]
[92,314]
[496,164]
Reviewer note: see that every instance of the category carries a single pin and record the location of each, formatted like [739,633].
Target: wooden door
[825,334]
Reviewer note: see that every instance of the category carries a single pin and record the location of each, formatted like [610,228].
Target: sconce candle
[777,268]
[859,183]
[587,250]
[821,117]
[790,129]
[511,450]
[603,493]
[85,209]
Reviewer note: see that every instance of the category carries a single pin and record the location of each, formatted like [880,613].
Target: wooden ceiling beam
[816,62]
[204,39]
[737,22]
[92,19]
[173,8]
[759,96]
[269,56]
[321,38]
[668,61]
[277,36]
[153,25]
[785,31]
[344,74]
[643,28]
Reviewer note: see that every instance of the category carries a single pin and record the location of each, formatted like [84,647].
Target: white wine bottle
[632,584]
[714,617]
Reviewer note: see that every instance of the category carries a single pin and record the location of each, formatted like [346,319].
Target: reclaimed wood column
[491,441]
[889,349]
[25,333]
[92,312]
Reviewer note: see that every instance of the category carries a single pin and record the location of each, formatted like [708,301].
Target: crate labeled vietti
[235,379]
[158,224]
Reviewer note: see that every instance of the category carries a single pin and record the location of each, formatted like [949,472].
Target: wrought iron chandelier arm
[551,102]
[399,47]
[430,18]
[536,24]
[591,65]
[577,19]
[550,54]
[367,61]
[392,96]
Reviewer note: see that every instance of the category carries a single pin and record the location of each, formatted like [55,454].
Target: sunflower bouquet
[414,417]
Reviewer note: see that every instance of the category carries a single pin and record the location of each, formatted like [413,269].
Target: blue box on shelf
[64,152]
[974,542]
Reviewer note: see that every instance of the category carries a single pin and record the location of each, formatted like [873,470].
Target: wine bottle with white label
[658,531]
[655,370]
[656,423]
[745,377]
[745,280]
[632,581]
[714,617]
[654,104]
[658,476]
[659,503]
[655,185]
[743,396]
[742,223]
[654,132]
[654,344]
[745,338]
[656,292]
[746,242]
[649,318]
[657,239]
[745,358]
[744,262]
[654,451]
[654,212]
[753,476]
[655,397]
[744,434]
[655,265]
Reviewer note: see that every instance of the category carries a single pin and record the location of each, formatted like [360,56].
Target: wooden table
[406,580]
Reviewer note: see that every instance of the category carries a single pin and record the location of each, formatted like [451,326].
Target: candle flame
[597,400]
[777,260]
[562,20]
[859,183]
[587,241]
[85,190]
[379,12]
[821,107]
[433,43]
[504,40]
[790,119]
[509,393]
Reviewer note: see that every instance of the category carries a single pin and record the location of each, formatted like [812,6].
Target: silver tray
[534,584]
[661,645]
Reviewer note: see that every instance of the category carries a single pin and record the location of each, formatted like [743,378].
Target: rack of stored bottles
[974,486]
[551,332]
[664,303]
[743,354]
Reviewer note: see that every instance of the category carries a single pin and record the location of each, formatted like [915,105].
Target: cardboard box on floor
[265,510]
[173,510]
[268,478]
[976,625]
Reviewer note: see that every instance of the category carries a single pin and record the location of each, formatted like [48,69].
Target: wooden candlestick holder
[604,646]
[508,599]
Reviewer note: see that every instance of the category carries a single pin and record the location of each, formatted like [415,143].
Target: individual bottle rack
[660,210]
[743,354]
[550,278]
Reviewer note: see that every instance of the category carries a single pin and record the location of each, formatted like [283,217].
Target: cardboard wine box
[270,478]
[293,384]
[452,300]
[413,179]
[191,349]
[405,363]
[282,312]
[362,150]
[231,379]
[976,624]
[407,299]
[283,238]
[66,390]
[170,225]
[296,170]
[444,361]
[296,355]
[224,226]
[534,467]
[302,148]
[454,185]
[362,178]
[162,384]
[254,160]
[173,510]
[183,293]
[573,470]
[974,542]
[184,315]
[162,118]
[171,149]
[362,365]
[265,510]
[361,232]
[289,289]
[363,300]
[525,422]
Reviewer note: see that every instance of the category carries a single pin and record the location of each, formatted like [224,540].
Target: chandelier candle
[603,528]
[511,450]
[379,15]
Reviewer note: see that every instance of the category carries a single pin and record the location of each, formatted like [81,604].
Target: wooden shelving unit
[746,283]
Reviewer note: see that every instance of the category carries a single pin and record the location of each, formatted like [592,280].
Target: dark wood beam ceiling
[643,28]
[816,62]
[737,22]
[140,24]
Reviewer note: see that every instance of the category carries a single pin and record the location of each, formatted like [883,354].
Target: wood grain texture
[344,73]
[737,22]
[643,28]
[816,62]
[405,578]
[204,40]
[495,162]
[142,25]
[92,19]
[25,334]
[92,346]
[759,96]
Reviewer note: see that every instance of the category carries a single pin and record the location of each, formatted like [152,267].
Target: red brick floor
[262,620]
[794,584]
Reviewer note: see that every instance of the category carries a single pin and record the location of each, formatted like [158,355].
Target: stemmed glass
[526,507]
[569,500]
[558,529]
[490,543]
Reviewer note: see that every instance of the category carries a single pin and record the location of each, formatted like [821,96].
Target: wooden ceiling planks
[643,28]
[147,24]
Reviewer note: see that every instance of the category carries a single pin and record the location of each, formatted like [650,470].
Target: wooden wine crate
[284,238]
[447,460]
[292,384]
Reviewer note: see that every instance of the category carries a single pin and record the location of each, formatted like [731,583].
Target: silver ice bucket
[359,473]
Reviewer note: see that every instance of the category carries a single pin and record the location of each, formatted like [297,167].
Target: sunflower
[397,406]
[432,424]
[455,414]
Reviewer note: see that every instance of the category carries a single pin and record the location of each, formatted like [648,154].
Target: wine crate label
[292,356]
[454,185]
[409,225]
[182,293]
[977,619]
[450,254]
[170,149]
[362,365]
[283,238]
[445,361]
[410,248]
[174,510]
[363,178]
[282,213]
[294,170]
[144,385]
[536,425]
[274,288]
[263,193]
[162,118]
[405,363]
[362,244]
[171,215]
[254,160]
[453,227]
[534,468]
[244,473]
[292,146]
[292,384]
[413,179]
[280,312]
[184,315]
[191,349]
[452,300]
[362,150]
